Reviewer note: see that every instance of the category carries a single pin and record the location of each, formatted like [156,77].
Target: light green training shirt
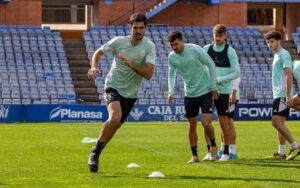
[296,72]
[195,67]
[225,75]
[121,77]
[282,59]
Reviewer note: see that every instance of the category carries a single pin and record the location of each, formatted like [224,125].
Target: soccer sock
[222,146]
[194,151]
[226,150]
[208,148]
[99,147]
[294,145]
[213,142]
[232,148]
[281,149]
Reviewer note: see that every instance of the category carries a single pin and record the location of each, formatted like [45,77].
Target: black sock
[99,147]
[194,151]
[226,150]
[213,142]
[208,147]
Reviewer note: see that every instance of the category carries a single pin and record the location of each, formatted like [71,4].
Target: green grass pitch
[52,155]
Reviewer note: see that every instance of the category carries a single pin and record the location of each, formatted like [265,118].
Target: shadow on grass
[124,175]
[266,163]
[232,179]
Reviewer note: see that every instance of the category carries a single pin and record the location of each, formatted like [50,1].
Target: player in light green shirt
[282,94]
[134,59]
[227,68]
[198,72]
[296,73]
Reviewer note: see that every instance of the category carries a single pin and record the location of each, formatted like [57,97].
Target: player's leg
[118,109]
[222,104]
[232,133]
[193,139]
[192,109]
[109,128]
[279,124]
[232,139]
[281,145]
[223,120]
[206,104]
[280,112]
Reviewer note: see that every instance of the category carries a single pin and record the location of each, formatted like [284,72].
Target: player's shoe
[224,157]
[193,160]
[207,157]
[219,154]
[213,153]
[93,162]
[276,156]
[293,153]
[233,156]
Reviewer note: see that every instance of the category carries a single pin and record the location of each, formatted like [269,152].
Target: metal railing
[123,18]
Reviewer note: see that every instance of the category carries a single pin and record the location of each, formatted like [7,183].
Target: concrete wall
[21,12]
[105,14]
[293,18]
[178,14]
[202,14]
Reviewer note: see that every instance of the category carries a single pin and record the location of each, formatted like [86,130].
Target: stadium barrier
[139,113]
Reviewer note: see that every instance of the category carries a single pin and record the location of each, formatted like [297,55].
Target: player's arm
[287,65]
[171,81]
[106,49]
[94,67]
[288,85]
[235,87]
[145,71]
[235,69]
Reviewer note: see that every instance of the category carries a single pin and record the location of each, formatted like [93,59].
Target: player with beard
[134,59]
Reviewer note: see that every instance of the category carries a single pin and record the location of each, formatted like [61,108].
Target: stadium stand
[34,68]
[296,39]
[254,55]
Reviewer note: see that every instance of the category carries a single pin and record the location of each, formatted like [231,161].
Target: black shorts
[112,95]
[280,107]
[222,104]
[232,109]
[192,105]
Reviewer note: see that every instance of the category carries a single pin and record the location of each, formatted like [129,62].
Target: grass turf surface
[52,155]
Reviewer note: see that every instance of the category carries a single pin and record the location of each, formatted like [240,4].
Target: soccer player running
[282,95]
[198,72]
[227,69]
[134,58]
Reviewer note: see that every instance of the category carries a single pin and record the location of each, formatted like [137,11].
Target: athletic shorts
[192,105]
[222,104]
[280,107]
[112,95]
[232,109]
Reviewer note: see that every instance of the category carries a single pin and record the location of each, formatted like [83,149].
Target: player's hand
[289,101]
[170,99]
[124,59]
[214,94]
[92,73]
[232,98]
